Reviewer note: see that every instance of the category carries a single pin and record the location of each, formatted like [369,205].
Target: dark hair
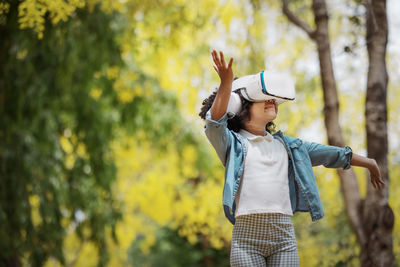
[237,122]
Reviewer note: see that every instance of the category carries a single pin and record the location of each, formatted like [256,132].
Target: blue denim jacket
[231,149]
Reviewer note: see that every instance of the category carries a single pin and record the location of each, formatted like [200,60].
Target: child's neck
[256,129]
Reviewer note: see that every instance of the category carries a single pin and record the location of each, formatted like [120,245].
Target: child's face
[264,111]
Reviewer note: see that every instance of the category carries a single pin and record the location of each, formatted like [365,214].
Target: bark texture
[377,215]
[371,218]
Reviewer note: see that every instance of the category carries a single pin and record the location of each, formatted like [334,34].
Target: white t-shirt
[264,187]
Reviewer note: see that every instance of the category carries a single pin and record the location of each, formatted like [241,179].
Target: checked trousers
[264,239]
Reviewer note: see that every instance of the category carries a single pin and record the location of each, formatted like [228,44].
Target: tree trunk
[349,185]
[320,35]
[10,261]
[378,217]
[372,219]
[9,255]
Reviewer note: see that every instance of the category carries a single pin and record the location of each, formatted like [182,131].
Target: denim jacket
[231,149]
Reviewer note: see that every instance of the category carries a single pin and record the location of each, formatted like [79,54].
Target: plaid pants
[264,239]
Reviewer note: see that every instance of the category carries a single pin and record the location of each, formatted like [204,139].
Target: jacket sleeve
[329,156]
[219,135]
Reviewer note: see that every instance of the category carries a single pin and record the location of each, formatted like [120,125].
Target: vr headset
[261,87]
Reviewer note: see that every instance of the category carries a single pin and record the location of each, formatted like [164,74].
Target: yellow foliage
[22,54]
[113,5]
[189,157]
[31,13]
[4,8]
[155,193]
[72,148]
[124,87]
[83,253]
[69,161]
[112,72]
[34,201]
[125,96]
[81,150]
[66,144]
[229,11]
[96,93]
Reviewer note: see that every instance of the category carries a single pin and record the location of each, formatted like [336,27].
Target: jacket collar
[252,137]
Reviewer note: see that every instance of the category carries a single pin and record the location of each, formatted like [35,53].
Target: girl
[267,177]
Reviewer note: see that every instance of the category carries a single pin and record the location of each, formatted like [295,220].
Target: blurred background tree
[371,218]
[56,165]
[103,159]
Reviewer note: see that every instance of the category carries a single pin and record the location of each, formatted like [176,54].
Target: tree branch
[297,21]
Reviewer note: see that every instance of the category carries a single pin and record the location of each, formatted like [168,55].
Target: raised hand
[224,71]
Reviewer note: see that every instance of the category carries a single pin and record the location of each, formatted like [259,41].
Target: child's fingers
[378,180]
[372,182]
[230,63]
[216,69]
[214,56]
[377,183]
[380,186]
[222,58]
[216,59]
[381,183]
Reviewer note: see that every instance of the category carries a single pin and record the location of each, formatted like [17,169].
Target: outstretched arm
[336,157]
[373,168]
[225,73]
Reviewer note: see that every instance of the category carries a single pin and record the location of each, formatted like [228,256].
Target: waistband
[264,218]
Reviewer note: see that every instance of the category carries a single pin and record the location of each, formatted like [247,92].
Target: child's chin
[270,115]
[270,111]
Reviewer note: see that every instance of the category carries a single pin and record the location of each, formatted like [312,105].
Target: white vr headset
[261,87]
